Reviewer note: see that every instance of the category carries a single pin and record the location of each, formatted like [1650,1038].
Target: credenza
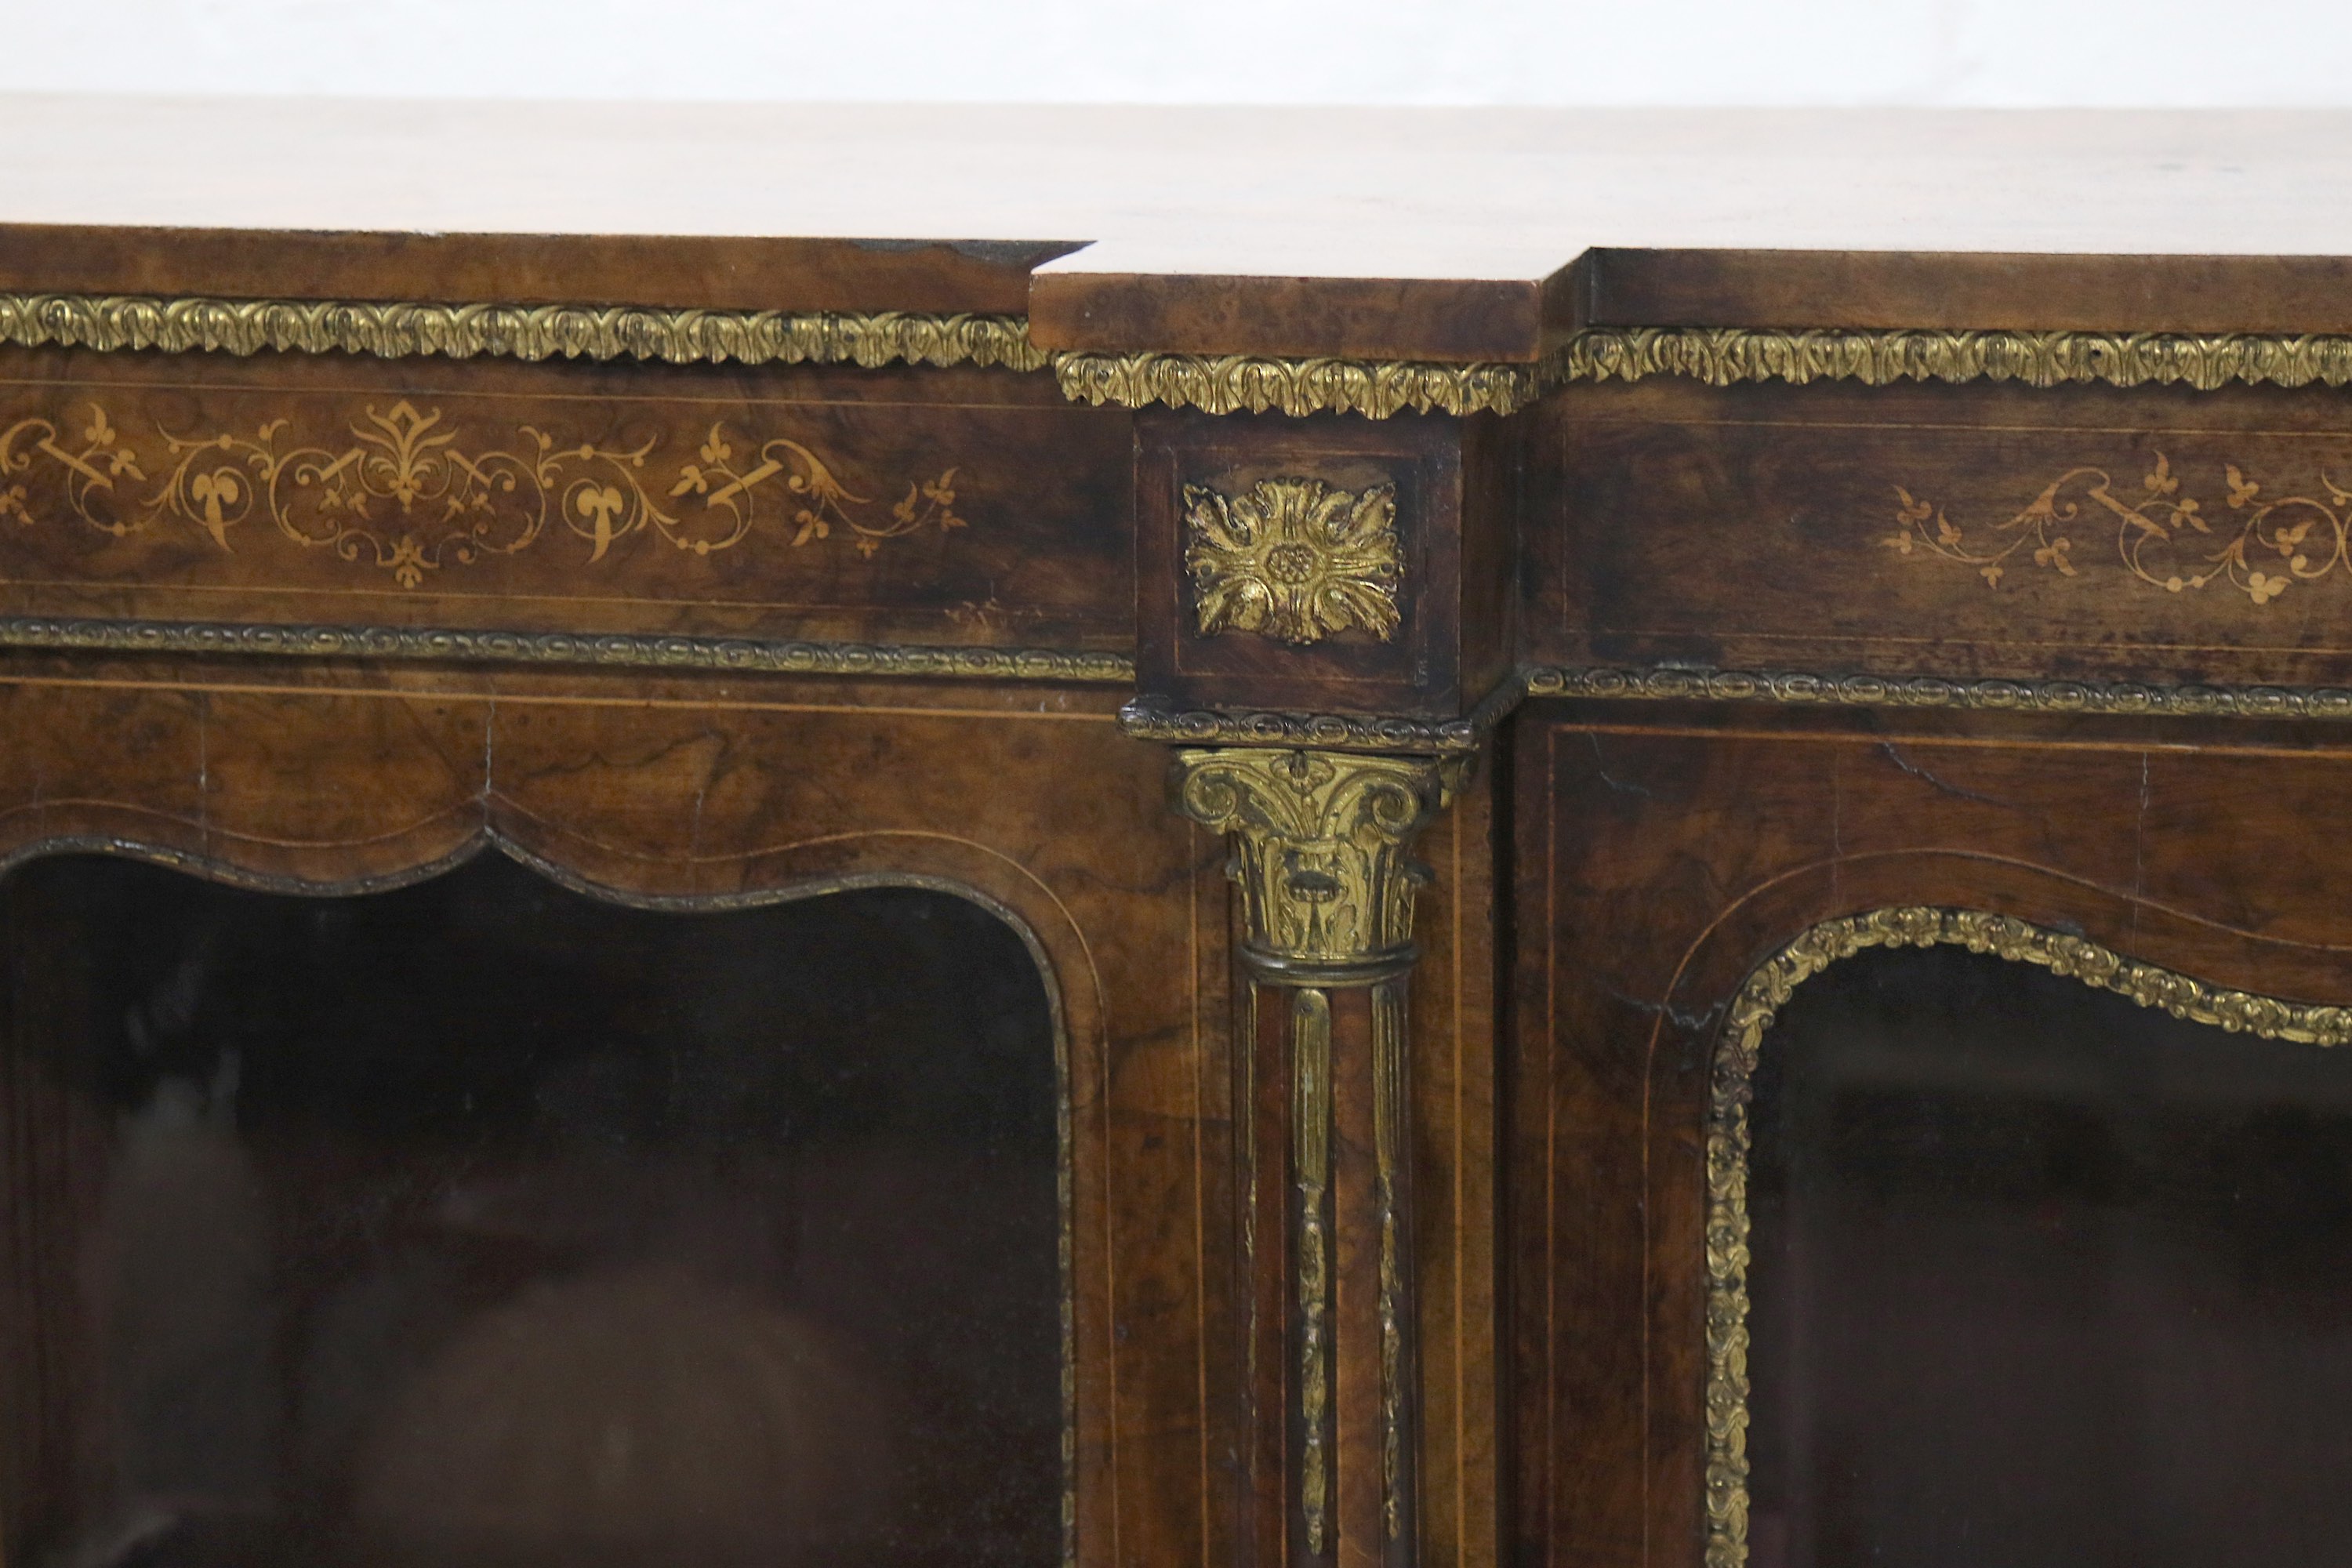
[828,833]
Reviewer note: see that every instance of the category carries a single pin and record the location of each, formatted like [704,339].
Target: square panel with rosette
[1314,566]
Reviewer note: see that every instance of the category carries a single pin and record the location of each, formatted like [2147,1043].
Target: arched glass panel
[482,1222]
[2041,1276]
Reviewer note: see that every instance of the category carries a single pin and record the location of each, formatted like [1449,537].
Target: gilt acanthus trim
[411,329]
[1724,356]
[1216,384]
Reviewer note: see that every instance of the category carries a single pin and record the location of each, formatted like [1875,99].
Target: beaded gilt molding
[1217,384]
[1151,718]
[1732,1090]
[746,655]
[1804,688]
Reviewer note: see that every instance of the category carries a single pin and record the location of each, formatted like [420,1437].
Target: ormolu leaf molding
[407,328]
[1295,559]
[1216,384]
[402,490]
[2259,544]
[1725,356]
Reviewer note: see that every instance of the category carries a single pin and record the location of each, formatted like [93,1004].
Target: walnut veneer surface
[1574,556]
[1410,234]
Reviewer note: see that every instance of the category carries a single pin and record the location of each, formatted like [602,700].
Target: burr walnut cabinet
[1113,838]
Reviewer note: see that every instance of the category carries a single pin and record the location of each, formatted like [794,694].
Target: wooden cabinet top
[1449,235]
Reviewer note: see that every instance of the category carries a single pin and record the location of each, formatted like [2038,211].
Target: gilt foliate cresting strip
[1218,384]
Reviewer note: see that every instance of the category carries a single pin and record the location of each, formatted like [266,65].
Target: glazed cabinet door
[1928,1145]
[503,1118]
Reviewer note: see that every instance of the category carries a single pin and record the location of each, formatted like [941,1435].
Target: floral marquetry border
[1731,1091]
[405,490]
[2259,544]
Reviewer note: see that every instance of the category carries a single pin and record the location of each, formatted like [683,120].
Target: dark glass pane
[485,1223]
[2043,1277]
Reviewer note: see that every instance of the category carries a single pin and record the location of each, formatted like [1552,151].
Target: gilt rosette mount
[1294,559]
[1321,852]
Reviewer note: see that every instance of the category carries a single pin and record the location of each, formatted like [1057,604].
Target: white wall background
[1927,52]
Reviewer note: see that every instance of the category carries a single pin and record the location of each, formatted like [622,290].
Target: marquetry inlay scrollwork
[1295,559]
[819,500]
[2258,544]
[410,492]
[1732,1090]
[1321,850]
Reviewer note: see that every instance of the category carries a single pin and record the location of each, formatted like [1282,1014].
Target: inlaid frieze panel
[2261,545]
[785,503]
[1954,530]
